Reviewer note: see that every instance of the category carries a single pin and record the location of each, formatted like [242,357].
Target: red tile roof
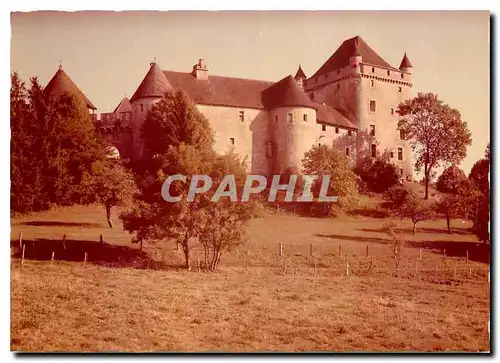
[300,73]
[331,116]
[153,85]
[350,48]
[286,93]
[61,83]
[220,91]
[405,63]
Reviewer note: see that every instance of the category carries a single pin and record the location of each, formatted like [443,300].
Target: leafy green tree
[479,176]
[325,160]
[378,174]
[54,145]
[111,186]
[450,180]
[436,132]
[405,203]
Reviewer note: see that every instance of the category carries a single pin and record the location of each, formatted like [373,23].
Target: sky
[107,54]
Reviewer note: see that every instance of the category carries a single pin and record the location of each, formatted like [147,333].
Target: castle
[350,103]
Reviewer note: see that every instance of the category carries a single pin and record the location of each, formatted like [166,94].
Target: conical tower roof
[285,93]
[155,84]
[123,106]
[61,83]
[300,74]
[405,63]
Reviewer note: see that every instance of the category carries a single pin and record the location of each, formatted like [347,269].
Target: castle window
[142,107]
[392,154]
[373,106]
[231,140]
[374,150]
[392,110]
[400,89]
[337,130]
[242,116]
[372,83]
[388,73]
[349,133]
[373,69]
[372,130]
[400,153]
[305,117]
[347,151]
[290,118]
[323,127]
[402,75]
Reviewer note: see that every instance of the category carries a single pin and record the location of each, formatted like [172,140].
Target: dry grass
[252,304]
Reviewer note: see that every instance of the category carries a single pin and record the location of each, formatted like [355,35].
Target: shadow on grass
[479,252]
[60,224]
[458,231]
[102,254]
[370,212]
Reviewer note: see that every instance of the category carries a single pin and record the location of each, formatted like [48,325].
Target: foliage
[452,206]
[479,176]
[179,141]
[112,185]
[54,146]
[377,174]
[405,203]
[327,161]
[436,131]
[451,178]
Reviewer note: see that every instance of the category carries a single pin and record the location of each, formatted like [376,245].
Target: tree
[54,145]
[179,141]
[405,203]
[452,206]
[378,175]
[479,176]
[112,186]
[436,132]
[451,178]
[326,161]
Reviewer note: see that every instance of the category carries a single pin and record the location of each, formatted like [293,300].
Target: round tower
[406,68]
[151,90]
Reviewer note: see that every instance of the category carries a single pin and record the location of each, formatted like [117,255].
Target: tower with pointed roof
[61,83]
[368,90]
[151,90]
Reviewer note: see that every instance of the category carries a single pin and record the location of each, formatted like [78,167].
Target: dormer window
[242,116]
[290,118]
[337,130]
[402,75]
[305,117]
[388,73]
[141,107]
[373,69]
[323,127]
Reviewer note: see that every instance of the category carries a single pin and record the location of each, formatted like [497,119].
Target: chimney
[200,70]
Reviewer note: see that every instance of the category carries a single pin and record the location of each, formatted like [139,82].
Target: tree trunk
[426,179]
[448,224]
[140,241]
[185,249]
[108,215]
[414,227]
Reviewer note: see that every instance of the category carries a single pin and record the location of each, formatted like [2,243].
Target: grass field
[130,300]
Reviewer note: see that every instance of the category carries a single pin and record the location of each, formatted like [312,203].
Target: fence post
[315,268]
[470,270]
[85,259]
[467,256]
[454,271]
[310,249]
[163,256]
[346,267]
[20,241]
[100,238]
[278,207]
[416,267]
[284,267]
[52,258]
[199,266]
[371,265]
[22,257]
[444,253]
[281,248]
[420,254]
[340,250]
[64,242]
[367,251]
